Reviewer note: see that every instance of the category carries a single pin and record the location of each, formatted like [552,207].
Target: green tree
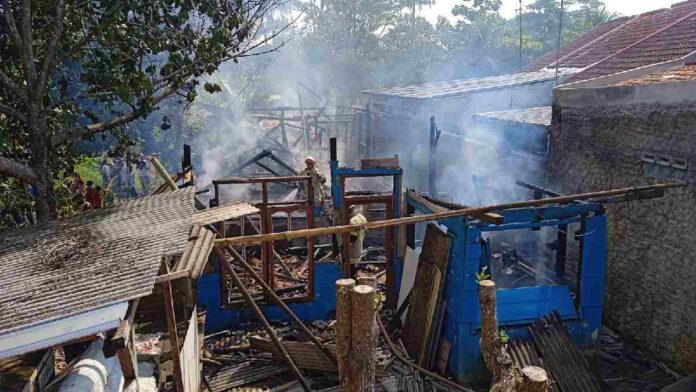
[71,70]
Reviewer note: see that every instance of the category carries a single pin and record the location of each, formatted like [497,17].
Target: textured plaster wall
[651,282]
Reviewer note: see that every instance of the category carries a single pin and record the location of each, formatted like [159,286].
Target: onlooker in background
[105,172]
[132,192]
[144,173]
[92,196]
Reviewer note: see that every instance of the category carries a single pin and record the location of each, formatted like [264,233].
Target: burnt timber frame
[342,203]
[267,209]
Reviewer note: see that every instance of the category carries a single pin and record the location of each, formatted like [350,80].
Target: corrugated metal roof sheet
[91,260]
[223,213]
[536,116]
[458,87]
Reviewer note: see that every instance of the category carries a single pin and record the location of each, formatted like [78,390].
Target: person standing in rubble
[318,180]
[358,236]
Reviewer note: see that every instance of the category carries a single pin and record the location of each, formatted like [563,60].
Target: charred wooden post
[267,326]
[250,270]
[343,326]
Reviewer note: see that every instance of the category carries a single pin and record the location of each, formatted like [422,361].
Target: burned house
[478,154]
[621,129]
[456,140]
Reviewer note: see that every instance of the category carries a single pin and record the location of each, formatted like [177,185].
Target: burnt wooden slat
[426,293]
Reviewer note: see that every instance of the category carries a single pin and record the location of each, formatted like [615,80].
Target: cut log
[343,325]
[534,379]
[363,343]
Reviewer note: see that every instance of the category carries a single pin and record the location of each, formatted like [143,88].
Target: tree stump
[534,379]
[356,335]
[343,325]
[363,345]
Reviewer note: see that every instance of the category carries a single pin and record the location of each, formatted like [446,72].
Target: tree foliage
[71,70]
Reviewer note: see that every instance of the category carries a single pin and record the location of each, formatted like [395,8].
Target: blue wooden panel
[320,308]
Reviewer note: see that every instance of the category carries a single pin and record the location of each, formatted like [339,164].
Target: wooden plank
[316,232]
[122,335]
[426,293]
[391,163]
[489,217]
[173,276]
[171,329]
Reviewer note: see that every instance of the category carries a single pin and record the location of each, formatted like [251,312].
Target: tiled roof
[458,87]
[536,116]
[676,41]
[197,251]
[629,43]
[678,74]
[89,261]
[576,44]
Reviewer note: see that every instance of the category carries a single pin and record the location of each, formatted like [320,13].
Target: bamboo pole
[327,353]
[163,173]
[274,338]
[315,232]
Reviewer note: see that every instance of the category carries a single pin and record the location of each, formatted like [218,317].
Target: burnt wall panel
[651,283]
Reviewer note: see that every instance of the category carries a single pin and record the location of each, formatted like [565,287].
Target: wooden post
[363,344]
[489,325]
[171,330]
[163,173]
[534,379]
[343,326]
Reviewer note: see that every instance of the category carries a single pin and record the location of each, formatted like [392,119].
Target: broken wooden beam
[373,225]
[266,325]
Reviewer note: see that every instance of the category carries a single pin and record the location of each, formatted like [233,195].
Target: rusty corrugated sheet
[244,374]
[562,357]
[305,354]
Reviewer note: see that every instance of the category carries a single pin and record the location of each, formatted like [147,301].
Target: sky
[623,7]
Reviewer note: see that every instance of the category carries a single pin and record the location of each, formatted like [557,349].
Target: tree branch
[28,47]
[10,85]
[13,113]
[12,168]
[51,49]
[93,129]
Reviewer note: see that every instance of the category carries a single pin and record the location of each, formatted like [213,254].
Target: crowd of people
[118,180]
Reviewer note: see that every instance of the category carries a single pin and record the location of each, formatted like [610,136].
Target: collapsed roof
[90,261]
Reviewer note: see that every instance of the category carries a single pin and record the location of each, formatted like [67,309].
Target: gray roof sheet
[536,116]
[90,260]
[454,88]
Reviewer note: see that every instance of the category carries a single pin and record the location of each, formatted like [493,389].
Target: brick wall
[651,282]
